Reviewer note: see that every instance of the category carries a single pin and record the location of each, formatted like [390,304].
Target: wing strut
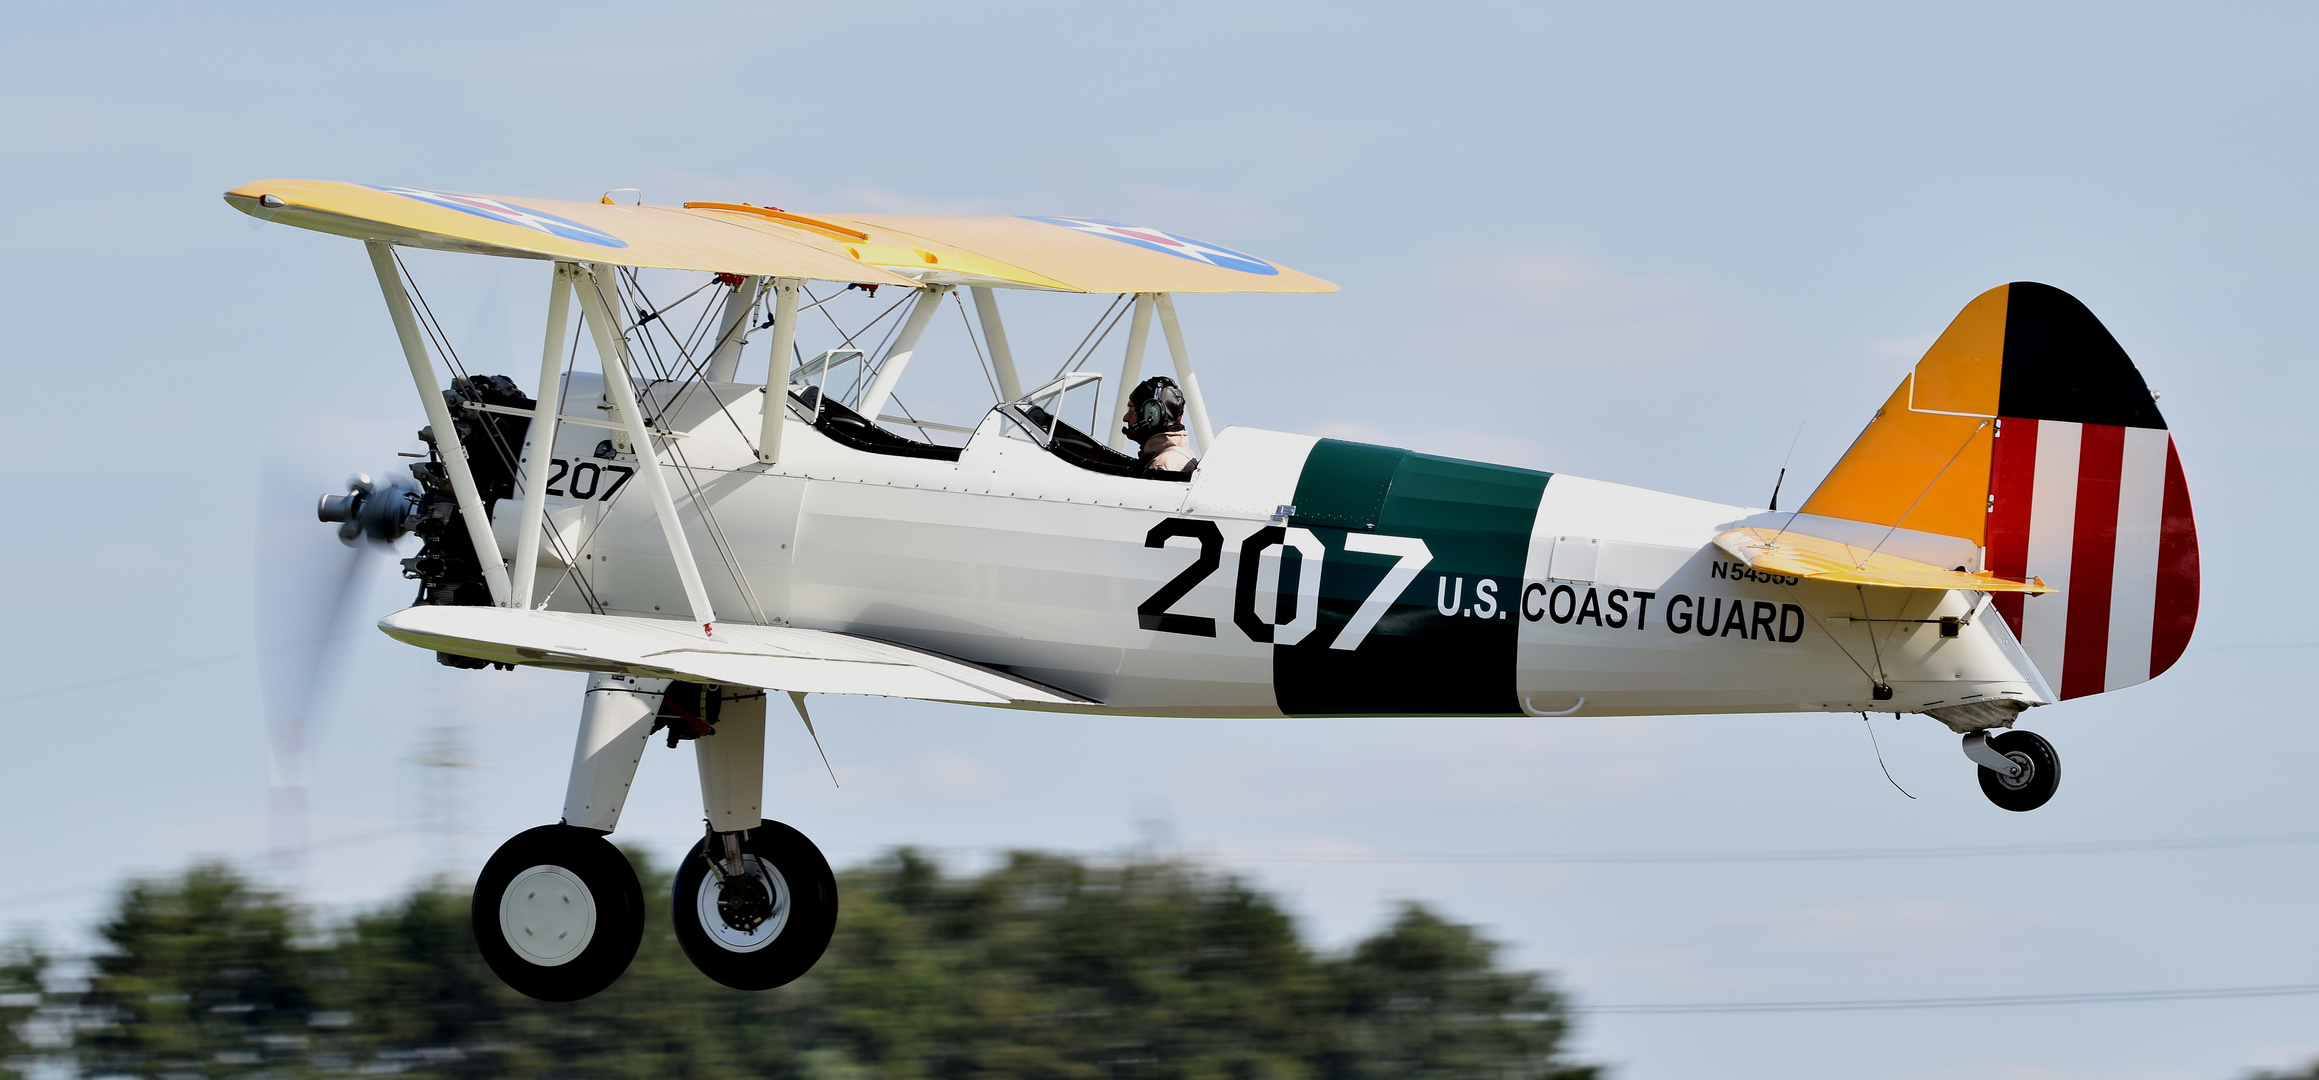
[1138,335]
[897,358]
[1193,402]
[542,434]
[390,282]
[994,334]
[610,349]
[777,371]
[733,329]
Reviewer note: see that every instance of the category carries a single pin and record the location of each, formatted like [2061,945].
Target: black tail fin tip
[2062,364]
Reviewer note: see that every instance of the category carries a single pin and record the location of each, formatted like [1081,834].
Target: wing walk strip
[772,657]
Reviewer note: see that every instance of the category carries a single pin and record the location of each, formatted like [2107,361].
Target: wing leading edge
[772,657]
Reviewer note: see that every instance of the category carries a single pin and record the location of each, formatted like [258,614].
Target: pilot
[1155,421]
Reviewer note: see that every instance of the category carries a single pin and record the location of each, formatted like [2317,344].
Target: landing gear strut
[558,911]
[2019,769]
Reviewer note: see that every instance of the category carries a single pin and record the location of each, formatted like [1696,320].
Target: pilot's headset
[1154,408]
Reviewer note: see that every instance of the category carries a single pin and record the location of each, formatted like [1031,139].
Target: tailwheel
[558,913]
[766,924]
[2031,770]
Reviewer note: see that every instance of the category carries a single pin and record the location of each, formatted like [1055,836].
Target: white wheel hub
[547,915]
[734,939]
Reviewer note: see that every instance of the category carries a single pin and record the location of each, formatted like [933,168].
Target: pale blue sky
[1639,244]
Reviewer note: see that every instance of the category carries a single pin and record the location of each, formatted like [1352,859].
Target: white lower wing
[772,657]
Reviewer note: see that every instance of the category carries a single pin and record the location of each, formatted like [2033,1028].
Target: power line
[1992,1001]
[1650,858]
[1641,858]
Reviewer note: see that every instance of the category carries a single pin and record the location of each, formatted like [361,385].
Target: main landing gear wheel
[558,913]
[765,926]
[2038,771]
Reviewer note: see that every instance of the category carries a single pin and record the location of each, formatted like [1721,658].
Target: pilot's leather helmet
[1155,407]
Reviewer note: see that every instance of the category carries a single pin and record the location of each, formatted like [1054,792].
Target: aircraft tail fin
[2027,430]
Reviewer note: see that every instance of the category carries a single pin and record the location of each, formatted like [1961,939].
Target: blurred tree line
[1045,967]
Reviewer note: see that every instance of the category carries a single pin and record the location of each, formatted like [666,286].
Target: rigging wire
[571,557]
[848,341]
[1091,349]
[508,457]
[678,391]
[680,394]
[1067,360]
[979,359]
[863,374]
[1920,496]
[1873,648]
[1832,638]
[606,506]
[683,392]
[1709,858]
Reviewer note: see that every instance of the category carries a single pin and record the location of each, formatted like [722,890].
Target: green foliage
[201,978]
[23,968]
[1045,968]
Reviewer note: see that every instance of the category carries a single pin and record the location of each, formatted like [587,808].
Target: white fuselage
[1592,601]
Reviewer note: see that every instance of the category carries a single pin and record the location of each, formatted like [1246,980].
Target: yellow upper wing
[1058,254]
[1093,255]
[653,236]
[1794,554]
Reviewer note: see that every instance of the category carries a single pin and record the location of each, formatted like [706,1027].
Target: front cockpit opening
[834,419]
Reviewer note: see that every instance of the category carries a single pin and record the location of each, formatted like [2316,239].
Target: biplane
[2011,529]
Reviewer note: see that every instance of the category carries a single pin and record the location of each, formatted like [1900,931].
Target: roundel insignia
[509,213]
[1182,247]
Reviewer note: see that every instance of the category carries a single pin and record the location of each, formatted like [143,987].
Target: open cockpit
[1038,418]
[1035,417]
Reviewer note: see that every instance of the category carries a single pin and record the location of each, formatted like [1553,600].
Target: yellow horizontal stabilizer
[643,236]
[1087,254]
[1793,554]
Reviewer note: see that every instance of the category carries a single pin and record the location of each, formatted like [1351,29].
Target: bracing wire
[683,465]
[1928,487]
[682,394]
[1074,355]
[1809,614]
[508,457]
[1091,349]
[979,358]
[570,557]
[1873,649]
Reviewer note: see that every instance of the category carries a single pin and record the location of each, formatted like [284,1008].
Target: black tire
[547,886]
[795,897]
[2032,789]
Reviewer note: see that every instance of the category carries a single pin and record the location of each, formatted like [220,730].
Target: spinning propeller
[307,591]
